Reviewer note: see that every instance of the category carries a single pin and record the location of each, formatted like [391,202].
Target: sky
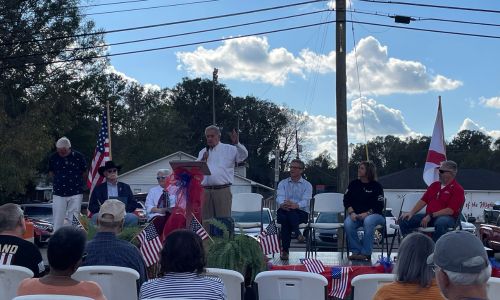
[394,76]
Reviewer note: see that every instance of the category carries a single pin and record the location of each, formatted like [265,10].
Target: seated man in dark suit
[112,189]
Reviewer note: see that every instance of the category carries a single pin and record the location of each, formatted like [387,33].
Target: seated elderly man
[159,202]
[444,200]
[461,266]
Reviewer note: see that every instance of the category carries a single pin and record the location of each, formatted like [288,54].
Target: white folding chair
[51,297]
[365,286]
[325,203]
[117,283]
[291,285]
[10,278]
[493,287]
[456,226]
[407,205]
[233,282]
[247,202]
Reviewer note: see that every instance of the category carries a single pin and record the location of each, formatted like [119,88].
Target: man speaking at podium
[221,159]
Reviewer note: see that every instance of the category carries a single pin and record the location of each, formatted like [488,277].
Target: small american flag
[150,244]
[269,239]
[75,222]
[340,282]
[101,155]
[313,265]
[196,227]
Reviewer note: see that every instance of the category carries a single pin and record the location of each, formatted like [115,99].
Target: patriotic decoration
[269,239]
[101,155]
[340,282]
[313,265]
[150,244]
[196,227]
[437,150]
[75,222]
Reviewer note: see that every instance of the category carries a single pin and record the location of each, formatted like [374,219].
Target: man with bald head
[444,200]
[67,167]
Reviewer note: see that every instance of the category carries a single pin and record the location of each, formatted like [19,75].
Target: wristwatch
[430,216]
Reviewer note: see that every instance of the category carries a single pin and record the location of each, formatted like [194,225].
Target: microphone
[205,155]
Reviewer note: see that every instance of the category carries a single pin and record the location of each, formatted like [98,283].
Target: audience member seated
[65,253]
[14,250]
[461,265]
[182,262]
[108,250]
[414,279]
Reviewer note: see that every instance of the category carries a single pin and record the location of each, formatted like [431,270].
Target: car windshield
[328,217]
[38,211]
[253,216]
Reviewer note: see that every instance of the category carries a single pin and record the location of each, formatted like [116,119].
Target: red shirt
[451,196]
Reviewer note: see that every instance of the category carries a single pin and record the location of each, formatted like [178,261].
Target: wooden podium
[189,164]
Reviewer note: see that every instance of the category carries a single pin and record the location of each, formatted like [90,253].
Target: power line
[112,3]
[163,24]
[254,34]
[435,6]
[144,8]
[166,36]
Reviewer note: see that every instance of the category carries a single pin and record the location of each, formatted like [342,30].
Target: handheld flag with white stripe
[150,244]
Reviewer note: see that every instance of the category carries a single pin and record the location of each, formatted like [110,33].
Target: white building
[143,178]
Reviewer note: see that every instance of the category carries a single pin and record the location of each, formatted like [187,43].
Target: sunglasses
[161,177]
[112,170]
[443,171]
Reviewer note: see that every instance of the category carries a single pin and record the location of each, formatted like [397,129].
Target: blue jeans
[441,224]
[130,219]
[369,223]
[290,220]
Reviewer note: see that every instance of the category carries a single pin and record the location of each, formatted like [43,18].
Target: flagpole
[200,223]
[109,129]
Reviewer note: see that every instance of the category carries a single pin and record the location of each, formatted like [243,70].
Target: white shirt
[221,161]
[152,199]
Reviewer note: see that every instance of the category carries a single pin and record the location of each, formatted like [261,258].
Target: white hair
[63,143]
[213,128]
[164,171]
[469,278]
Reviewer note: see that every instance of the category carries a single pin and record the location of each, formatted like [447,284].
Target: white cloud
[379,120]
[253,59]
[469,124]
[148,86]
[493,102]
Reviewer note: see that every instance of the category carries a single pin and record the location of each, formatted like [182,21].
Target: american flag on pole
[340,282]
[101,155]
[75,222]
[313,265]
[196,227]
[150,244]
[269,239]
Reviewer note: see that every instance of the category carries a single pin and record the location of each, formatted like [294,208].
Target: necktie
[163,200]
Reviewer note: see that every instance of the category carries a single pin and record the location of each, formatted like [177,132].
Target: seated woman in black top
[364,201]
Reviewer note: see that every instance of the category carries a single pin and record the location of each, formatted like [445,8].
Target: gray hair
[63,143]
[411,266]
[450,165]
[164,171]
[10,216]
[213,128]
[469,278]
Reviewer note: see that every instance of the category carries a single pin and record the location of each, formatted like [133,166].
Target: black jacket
[364,196]
[100,194]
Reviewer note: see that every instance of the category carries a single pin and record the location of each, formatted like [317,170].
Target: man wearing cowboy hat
[112,189]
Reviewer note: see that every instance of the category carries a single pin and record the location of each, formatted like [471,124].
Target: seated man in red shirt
[444,200]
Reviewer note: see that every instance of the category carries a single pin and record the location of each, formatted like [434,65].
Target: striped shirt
[184,285]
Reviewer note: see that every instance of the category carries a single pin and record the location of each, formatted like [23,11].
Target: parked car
[41,216]
[490,236]
[252,217]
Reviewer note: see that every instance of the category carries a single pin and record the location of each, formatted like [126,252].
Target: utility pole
[341,97]
[214,82]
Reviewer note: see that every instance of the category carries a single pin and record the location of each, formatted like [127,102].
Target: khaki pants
[217,204]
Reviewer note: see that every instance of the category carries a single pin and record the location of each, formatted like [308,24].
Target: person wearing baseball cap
[461,266]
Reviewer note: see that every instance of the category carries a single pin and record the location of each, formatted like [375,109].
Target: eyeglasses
[112,170]
[295,167]
[84,255]
[443,171]
[161,177]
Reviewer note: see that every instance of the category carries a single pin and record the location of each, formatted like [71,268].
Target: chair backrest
[233,281]
[51,297]
[493,286]
[10,278]
[328,202]
[410,200]
[365,286]
[290,285]
[117,283]
[247,202]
